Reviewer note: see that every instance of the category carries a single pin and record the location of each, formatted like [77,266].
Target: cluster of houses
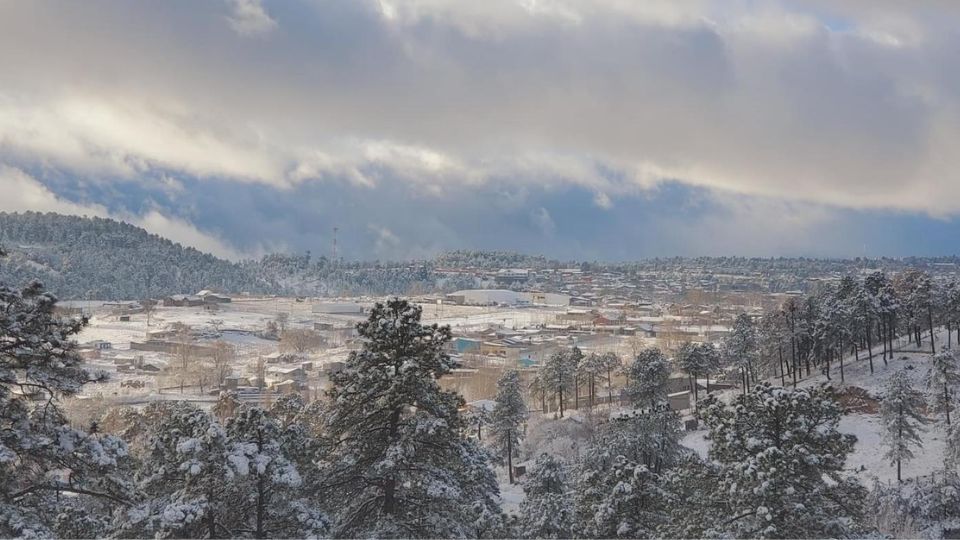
[202,298]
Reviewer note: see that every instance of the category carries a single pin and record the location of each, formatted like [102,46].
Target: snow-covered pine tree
[901,416]
[697,360]
[546,512]
[612,364]
[397,464]
[41,455]
[630,504]
[951,453]
[591,370]
[943,377]
[647,379]
[557,376]
[617,476]
[186,480]
[268,499]
[740,348]
[509,415]
[776,470]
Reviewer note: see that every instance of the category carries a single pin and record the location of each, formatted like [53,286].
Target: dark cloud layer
[607,129]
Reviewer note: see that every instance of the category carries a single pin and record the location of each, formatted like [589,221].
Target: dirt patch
[857,400]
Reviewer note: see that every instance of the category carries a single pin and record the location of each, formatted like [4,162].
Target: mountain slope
[95,258]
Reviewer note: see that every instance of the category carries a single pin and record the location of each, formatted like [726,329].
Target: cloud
[18,192]
[845,105]
[249,18]
[184,233]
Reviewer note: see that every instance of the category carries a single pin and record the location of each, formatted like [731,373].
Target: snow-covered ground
[867,457]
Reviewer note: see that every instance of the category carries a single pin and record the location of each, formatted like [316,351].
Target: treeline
[865,319]
[103,259]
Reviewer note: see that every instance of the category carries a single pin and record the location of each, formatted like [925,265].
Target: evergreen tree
[186,479]
[697,360]
[647,379]
[630,504]
[546,511]
[901,416]
[617,477]
[41,455]
[557,375]
[740,348]
[942,380]
[776,470]
[951,453]
[508,418]
[269,502]
[397,464]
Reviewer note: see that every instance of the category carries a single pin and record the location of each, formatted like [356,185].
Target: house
[99,345]
[510,276]
[463,345]
[182,300]
[210,297]
[338,308]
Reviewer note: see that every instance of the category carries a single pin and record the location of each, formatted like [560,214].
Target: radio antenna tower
[335,229]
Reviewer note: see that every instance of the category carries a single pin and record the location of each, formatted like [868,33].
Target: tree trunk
[840,352]
[933,345]
[783,376]
[261,495]
[899,439]
[946,400]
[576,392]
[870,349]
[390,485]
[510,457]
[211,518]
[560,393]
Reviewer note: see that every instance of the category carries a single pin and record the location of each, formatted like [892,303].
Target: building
[210,297]
[494,297]
[338,308]
[182,300]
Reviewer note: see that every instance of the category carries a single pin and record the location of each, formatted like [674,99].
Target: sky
[588,130]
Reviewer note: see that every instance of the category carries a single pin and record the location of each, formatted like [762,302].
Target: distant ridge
[97,258]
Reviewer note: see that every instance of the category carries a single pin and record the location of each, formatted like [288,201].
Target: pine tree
[776,470]
[630,504]
[901,416]
[397,464]
[942,380]
[557,375]
[647,379]
[951,453]
[546,512]
[740,348]
[617,492]
[269,500]
[592,369]
[41,455]
[697,360]
[508,418]
[186,479]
